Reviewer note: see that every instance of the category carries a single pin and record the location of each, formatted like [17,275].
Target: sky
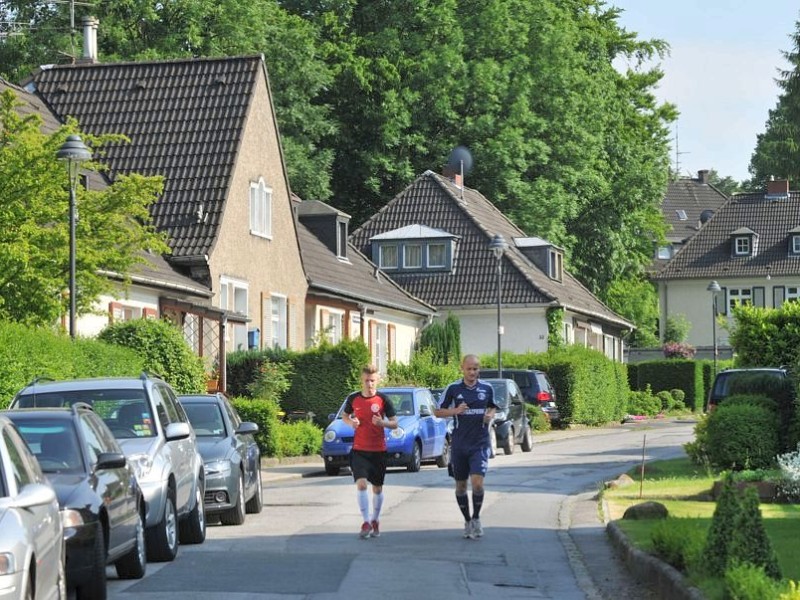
[724,58]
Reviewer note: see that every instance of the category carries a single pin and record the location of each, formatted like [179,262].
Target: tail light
[544,397]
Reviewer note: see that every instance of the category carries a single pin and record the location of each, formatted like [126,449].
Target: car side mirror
[247,427]
[177,431]
[424,411]
[110,460]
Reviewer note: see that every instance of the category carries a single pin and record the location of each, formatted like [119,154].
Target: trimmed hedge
[265,414]
[665,375]
[30,352]
[742,436]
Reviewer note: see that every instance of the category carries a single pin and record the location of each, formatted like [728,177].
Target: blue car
[420,435]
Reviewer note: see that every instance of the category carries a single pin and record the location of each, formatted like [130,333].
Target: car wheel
[415,462]
[492,442]
[527,439]
[193,528]
[256,503]
[134,563]
[162,539]
[95,586]
[444,459]
[331,470]
[508,445]
[235,516]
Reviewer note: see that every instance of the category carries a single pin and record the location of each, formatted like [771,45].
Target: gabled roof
[356,279]
[185,120]
[436,201]
[31,104]
[708,254]
[415,231]
[691,196]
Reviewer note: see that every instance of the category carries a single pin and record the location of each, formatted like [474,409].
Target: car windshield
[500,393]
[53,442]
[403,403]
[126,412]
[206,419]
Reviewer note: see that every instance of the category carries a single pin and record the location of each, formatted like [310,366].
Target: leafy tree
[443,340]
[727,185]
[112,229]
[636,300]
[677,329]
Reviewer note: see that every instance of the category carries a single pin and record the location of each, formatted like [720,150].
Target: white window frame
[278,324]
[664,252]
[341,239]
[236,333]
[792,293]
[739,296]
[742,245]
[406,263]
[334,328]
[125,312]
[431,264]
[795,249]
[260,209]
[382,256]
[555,264]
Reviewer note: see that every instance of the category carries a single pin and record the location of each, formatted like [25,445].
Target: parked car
[535,387]
[231,457]
[32,540]
[102,507]
[732,381]
[510,424]
[420,435]
[154,432]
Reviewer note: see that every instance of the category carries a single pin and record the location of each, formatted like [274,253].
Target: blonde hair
[369,370]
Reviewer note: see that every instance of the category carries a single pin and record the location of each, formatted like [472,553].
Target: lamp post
[714,288]
[498,246]
[73,151]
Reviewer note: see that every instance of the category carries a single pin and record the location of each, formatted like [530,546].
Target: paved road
[543,536]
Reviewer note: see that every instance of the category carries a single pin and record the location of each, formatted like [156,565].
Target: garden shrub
[721,531]
[676,350]
[752,400]
[744,581]
[666,399]
[764,337]
[789,484]
[301,438]
[271,381]
[163,349]
[697,450]
[678,542]
[686,375]
[643,403]
[792,591]
[442,340]
[422,370]
[742,436]
[679,397]
[265,414]
[749,543]
[538,419]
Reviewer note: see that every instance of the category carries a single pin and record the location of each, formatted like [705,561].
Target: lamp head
[498,245]
[714,287]
[73,151]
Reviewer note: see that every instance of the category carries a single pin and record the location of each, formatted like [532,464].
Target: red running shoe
[376,532]
[366,529]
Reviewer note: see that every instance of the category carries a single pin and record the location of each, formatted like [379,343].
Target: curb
[667,581]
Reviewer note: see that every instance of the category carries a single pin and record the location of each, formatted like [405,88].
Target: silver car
[32,540]
[154,432]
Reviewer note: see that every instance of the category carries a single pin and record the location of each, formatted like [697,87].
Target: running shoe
[467,530]
[376,532]
[477,530]
[366,529]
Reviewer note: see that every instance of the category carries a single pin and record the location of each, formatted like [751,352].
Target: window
[341,239]
[795,245]
[412,256]
[681,215]
[437,256]
[739,297]
[260,209]
[279,324]
[223,295]
[741,246]
[388,257]
[792,294]
[555,265]
[664,252]
[121,312]
[333,326]
[233,295]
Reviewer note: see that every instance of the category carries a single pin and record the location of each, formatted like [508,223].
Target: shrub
[633,376]
[678,542]
[678,350]
[676,329]
[271,381]
[789,485]
[679,396]
[742,436]
[442,339]
[748,582]
[749,543]
[643,403]
[164,350]
[792,592]
[301,438]
[686,375]
[667,401]
[723,525]
[766,337]
[423,370]
[265,414]
[697,450]
[537,417]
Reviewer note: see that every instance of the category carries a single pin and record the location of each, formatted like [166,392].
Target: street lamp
[714,288]
[73,151]
[498,246]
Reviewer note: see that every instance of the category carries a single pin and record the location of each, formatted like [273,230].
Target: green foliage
[164,350]
[727,184]
[555,328]
[537,418]
[666,399]
[113,229]
[265,414]
[679,542]
[722,530]
[766,337]
[636,299]
[643,402]
[744,581]
[676,329]
[300,438]
[678,395]
[686,375]
[633,376]
[442,340]
[422,370]
[697,450]
[271,381]
[742,436]
[30,352]
[750,543]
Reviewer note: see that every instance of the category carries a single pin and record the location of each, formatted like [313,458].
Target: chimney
[778,188]
[89,39]
[702,175]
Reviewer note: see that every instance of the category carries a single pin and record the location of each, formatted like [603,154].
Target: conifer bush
[723,525]
[749,543]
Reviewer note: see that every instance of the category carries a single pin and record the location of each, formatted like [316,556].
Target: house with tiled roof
[433,239]
[750,247]
[688,204]
[208,127]
[348,296]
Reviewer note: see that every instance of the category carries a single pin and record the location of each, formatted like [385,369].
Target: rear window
[745,382]
[53,442]
[206,419]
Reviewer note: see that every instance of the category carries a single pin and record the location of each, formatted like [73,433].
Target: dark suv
[154,432]
[535,387]
[510,426]
[737,381]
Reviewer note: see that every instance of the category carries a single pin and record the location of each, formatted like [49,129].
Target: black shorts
[368,465]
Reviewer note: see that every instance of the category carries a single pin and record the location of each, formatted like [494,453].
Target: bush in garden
[744,581]
[789,485]
[676,329]
[265,414]
[300,438]
[271,381]
[792,592]
[674,350]
[666,400]
[742,436]
[697,450]
[643,403]
[678,398]
[678,542]
[749,543]
[422,370]
[538,419]
[163,349]
[721,532]
[686,375]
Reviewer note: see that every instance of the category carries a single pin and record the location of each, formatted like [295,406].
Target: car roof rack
[145,375]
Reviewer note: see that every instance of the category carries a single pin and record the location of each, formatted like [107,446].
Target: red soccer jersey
[369,437]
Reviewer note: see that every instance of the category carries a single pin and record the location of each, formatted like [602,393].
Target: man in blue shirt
[471,404]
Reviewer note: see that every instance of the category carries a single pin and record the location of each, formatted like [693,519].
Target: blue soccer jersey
[469,430]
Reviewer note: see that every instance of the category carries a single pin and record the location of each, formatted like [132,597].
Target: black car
[231,458]
[737,381]
[535,387]
[102,507]
[510,425]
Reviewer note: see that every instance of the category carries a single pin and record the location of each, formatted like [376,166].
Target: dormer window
[388,257]
[794,250]
[414,249]
[412,256]
[555,265]
[341,239]
[437,255]
[742,246]
[744,242]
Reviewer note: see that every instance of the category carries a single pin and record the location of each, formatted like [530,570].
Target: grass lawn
[685,490]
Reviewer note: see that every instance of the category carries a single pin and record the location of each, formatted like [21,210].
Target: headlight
[329,436]
[218,467]
[71,518]
[7,565]
[398,433]
[142,463]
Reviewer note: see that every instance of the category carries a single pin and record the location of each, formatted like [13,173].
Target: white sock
[377,503]
[363,503]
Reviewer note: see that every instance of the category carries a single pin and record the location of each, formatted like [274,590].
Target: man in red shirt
[369,412]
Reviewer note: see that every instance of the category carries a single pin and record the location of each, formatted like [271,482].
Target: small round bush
[742,436]
[697,450]
[643,403]
[678,395]
[537,417]
[666,400]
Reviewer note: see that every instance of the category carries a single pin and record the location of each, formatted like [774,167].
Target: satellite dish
[705,216]
[460,160]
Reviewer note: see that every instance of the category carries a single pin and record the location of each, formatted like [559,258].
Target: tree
[636,300]
[112,231]
[727,185]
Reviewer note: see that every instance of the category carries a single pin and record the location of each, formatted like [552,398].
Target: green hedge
[742,436]
[665,375]
[28,352]
[274,437]
[766,337]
